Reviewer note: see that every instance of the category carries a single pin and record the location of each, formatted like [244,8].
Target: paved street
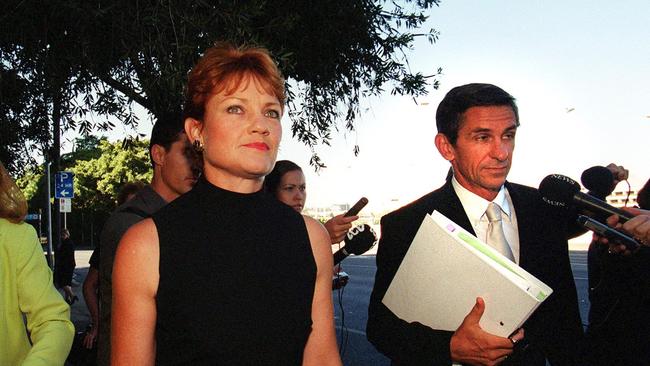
[353,299]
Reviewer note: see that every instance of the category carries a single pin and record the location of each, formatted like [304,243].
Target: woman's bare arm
[321,346]
[135,283]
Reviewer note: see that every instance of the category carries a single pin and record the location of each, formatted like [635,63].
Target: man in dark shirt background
[173,175]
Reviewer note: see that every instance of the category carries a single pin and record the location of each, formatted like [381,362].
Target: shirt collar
[475,205]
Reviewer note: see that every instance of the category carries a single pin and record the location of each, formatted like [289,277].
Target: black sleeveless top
[237,279]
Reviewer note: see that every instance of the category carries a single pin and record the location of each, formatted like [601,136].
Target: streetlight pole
[50,257]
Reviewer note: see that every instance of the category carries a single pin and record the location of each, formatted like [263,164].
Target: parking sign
[63,185]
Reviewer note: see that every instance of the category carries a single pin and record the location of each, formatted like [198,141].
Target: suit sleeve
[48,316]
[404,343]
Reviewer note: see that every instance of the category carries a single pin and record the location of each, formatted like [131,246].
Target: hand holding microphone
[638,226]
[619,173]
[339,225]
[618,242]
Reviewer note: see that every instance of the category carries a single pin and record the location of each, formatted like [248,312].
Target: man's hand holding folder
[450,280]
[471,345]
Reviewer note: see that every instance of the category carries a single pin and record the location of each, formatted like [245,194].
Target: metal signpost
[65,206]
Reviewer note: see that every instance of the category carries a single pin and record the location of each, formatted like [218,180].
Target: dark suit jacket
[619,320]
[553,331]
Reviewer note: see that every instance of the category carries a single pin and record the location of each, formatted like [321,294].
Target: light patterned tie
[495,236]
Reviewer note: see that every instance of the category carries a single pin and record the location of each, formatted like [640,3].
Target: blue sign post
[63,185]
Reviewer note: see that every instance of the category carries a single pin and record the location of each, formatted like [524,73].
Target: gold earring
[198,146]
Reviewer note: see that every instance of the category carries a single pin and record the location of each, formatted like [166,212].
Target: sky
[592,57]
[580,71]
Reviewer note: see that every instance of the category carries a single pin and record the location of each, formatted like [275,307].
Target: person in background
[91,283]
[619,293]
[64,266]
[35,326]
[287,183]
[477,125]
[205,280]
[643,196]
[128,191]
[173,175]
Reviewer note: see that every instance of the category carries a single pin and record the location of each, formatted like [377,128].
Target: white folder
[446,268]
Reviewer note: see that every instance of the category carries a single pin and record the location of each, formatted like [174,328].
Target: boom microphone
[561,191]
[599,181]
[357,241]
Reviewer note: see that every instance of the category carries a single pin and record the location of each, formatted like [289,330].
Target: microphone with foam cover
[561,191]
[357,241]
[598,180]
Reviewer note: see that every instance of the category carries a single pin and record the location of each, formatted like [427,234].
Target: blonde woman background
[27,290]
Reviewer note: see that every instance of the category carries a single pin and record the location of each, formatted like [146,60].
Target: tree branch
[144,102]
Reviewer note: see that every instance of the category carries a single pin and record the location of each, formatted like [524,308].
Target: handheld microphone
[611,234]
[561,191]
[357,241]
[599,181]
[361,203]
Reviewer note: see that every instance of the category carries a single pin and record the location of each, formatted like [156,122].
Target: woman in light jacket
[27,290]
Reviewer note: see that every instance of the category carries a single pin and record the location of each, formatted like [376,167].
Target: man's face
[482,155]
[175,169]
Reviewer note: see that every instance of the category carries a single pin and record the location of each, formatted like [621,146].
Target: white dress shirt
[475,207]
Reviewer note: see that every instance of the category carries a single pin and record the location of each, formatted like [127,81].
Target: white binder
[446,268]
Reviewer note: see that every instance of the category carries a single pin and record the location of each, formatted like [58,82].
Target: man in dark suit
[477,124]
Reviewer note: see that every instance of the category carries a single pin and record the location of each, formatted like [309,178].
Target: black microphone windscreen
[598,180]
[558,190]
[359,239]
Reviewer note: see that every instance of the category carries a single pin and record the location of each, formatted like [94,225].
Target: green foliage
[100,169]
[98,180]
[29,182]
[89,61]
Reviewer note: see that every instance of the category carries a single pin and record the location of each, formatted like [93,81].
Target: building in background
[622,198]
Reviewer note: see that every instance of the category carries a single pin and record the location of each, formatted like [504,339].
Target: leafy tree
[100,169]
[98,180]
[31,183]
[83,64]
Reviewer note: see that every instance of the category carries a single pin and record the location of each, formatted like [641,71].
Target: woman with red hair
[205,280]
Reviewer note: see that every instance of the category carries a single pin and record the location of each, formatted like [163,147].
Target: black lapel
[525,221]
[448,203]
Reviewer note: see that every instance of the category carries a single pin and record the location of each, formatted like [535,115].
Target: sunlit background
[580,71]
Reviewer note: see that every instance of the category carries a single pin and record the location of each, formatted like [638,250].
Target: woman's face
[240,134]
[292,190]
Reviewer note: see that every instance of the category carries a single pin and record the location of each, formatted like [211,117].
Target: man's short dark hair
[167,130]
[450,112]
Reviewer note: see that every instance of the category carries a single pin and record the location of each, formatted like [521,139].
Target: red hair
[225,67]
